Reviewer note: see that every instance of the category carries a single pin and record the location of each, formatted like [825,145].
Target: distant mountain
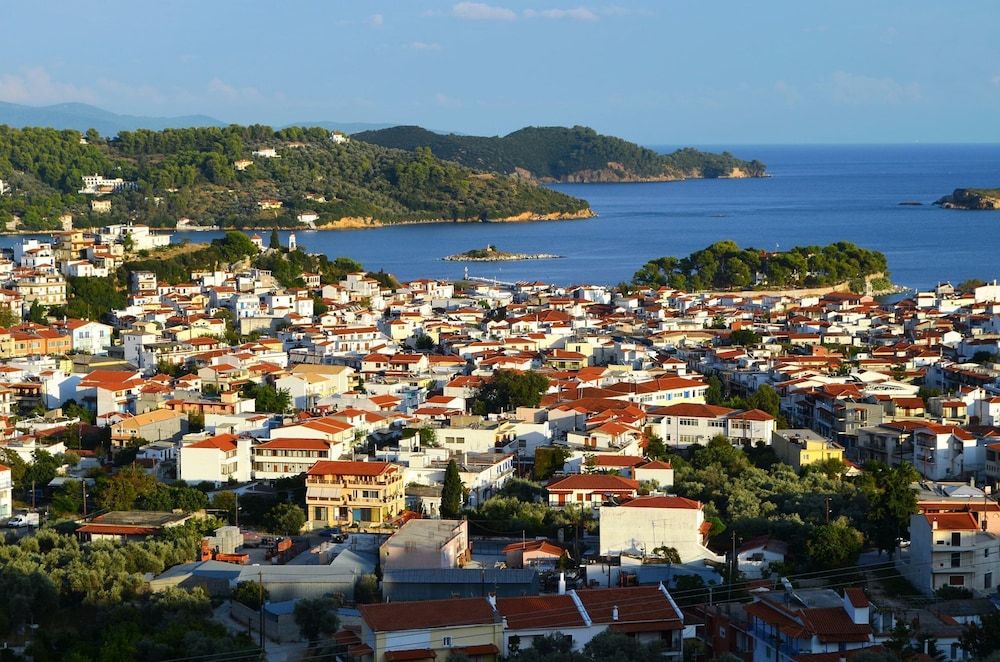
[81,116]
[577,154]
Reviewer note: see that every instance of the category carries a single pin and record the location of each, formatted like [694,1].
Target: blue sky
[659,72]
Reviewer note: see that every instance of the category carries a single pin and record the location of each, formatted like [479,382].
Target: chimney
[934,525]
[614,613]
[492,600]
[562,583]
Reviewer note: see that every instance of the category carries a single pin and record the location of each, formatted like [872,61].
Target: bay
[816,195]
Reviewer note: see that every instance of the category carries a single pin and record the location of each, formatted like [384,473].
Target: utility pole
[732,565]
[83,485]
[260,585]
[826,500]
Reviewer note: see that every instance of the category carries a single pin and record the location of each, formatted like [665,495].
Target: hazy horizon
[658,73]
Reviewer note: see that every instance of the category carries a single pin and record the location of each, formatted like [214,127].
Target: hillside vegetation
[726,266]
[562,154]
[192,173]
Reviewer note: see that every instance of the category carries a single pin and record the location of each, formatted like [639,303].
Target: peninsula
[559,154]
[491,254]
[972,198]
[247,177]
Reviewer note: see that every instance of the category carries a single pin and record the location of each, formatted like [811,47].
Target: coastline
[510,257]
[348,223]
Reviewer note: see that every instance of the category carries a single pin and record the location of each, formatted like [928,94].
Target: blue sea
[815,195]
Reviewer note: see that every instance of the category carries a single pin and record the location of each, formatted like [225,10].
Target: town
[379,470]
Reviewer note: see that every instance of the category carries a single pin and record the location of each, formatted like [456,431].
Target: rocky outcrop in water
[972,198]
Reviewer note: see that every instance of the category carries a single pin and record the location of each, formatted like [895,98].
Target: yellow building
[429,630]
[340,493]
[46,289]
[798,448]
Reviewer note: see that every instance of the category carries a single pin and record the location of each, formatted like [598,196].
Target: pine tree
[275,241]
[452,492]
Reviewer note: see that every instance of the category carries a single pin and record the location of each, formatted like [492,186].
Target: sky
[657,72]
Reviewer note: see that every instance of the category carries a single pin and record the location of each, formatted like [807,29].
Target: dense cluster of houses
[382,382]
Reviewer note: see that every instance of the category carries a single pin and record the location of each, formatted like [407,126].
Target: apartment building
[342,493]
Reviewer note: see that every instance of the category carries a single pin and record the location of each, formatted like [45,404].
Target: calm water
[817,195]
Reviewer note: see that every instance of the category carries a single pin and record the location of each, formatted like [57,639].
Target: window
[956,539]
[956,580]
[688,421]
[446,641]
[988,580]
[956,559]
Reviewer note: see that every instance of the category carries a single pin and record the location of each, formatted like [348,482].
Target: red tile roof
[619,460]
[396,616]
[594,482]
[224,442]
[411,654]
[542,611]
[298,444]
[693,410]
[662,502]
[952,521]
[638,604]
[347,468]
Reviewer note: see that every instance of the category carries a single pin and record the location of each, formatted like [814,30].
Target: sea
[865,194]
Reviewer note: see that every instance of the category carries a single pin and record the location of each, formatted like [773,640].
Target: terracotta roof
[410,654]
[619,460]
[300,444]
[656,464]
[662,502]
[693,410]
[857,597]
[594,482]
[637,604]
[223,442]
[542,611]
[396,616]
[952,521]
[347,468]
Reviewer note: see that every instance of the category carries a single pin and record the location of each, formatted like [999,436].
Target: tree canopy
[509,389]
[452,492]
[193,173]
[559,153]
[726,266]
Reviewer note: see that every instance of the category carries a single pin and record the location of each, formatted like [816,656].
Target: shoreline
[511,257]
[345,223]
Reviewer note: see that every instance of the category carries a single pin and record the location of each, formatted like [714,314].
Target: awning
[414,654]
[482,649]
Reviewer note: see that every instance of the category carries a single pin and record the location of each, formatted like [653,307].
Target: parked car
[22,520]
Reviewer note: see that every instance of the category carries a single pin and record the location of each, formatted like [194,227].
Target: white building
[684,424]
[6,492]
[950,549]
[216,459]
[99,184]
[89,337]
[646,523]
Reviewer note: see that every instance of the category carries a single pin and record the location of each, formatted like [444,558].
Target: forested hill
[579,154]
[250,176]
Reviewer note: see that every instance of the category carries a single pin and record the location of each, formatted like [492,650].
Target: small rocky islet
[491,254]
